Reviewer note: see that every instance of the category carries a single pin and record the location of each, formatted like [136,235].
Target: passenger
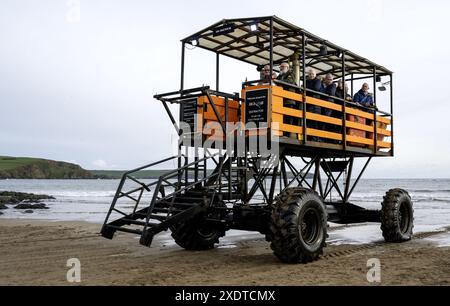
[265,77]
[313,83]
[363,96]
[329,87]
[286,76]
[342,91]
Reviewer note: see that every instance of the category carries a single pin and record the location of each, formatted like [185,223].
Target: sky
[77,77]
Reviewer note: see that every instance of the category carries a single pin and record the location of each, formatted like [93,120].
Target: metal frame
[228,183]
[309,44]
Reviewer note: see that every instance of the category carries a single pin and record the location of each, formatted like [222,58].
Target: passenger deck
[328,136]
[262,111]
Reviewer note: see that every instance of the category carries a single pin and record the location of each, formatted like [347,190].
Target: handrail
[181,92]
[322,95]
[165,175]
[162,177]
[224,94]
[150,165]
[124,177]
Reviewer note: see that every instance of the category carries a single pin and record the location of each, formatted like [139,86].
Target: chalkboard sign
[257,107]
[188,112]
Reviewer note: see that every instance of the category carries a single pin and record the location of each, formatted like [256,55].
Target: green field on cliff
[37,168]
[9,163]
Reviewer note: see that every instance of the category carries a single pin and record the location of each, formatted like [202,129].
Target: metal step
[124,229]
[157,210]
[183,204]
[136,222]
[158,217]
[183,199]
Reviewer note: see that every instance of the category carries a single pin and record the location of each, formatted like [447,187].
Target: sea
[89,200]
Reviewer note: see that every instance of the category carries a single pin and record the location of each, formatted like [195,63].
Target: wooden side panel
[359,123]
[207,113]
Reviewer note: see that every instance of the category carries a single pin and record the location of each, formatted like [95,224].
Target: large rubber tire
[195,235]
[298,226]
[397,216]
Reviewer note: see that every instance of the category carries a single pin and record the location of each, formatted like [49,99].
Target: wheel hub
[309,227]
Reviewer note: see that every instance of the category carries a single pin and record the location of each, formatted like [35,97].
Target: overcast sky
[77,77]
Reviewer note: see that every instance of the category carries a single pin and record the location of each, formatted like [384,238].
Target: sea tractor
[280,158]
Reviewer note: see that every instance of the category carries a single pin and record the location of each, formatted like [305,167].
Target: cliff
[35,168]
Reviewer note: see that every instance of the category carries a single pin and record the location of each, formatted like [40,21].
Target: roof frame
[286,35]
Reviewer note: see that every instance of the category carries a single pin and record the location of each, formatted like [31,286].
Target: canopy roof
[248,40]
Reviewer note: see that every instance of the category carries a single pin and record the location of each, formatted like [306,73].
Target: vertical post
[196,169]
[304,85]
[180,117]
[322,194]
[316,173]
[375,86]
[186,162]
[284,174]
[182,66]
[375,137]
[348,180]
[352,92]
[204,166]
[271,49]
[217,70]
[296,67]
[344,114]
[392,113]
[179,157]
[273,182]
[230,154]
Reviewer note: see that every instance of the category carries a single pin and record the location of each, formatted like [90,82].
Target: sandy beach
[36,252]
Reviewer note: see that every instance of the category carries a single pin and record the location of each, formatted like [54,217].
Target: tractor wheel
[196,235]
[397,216]
[298,226]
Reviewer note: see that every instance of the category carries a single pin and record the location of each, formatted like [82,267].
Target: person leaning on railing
[329,88]
[287,76]
[265,76]
[363,97]
[342,91]
[313,82]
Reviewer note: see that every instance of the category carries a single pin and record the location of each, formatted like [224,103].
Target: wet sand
[36,253]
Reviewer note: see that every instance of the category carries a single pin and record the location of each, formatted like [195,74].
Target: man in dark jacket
[363,96]
[286,76]
[342,91]
[313,83]
[265,76]
[329,88]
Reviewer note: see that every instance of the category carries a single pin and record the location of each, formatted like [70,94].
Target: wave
[429,190]
[431,199]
